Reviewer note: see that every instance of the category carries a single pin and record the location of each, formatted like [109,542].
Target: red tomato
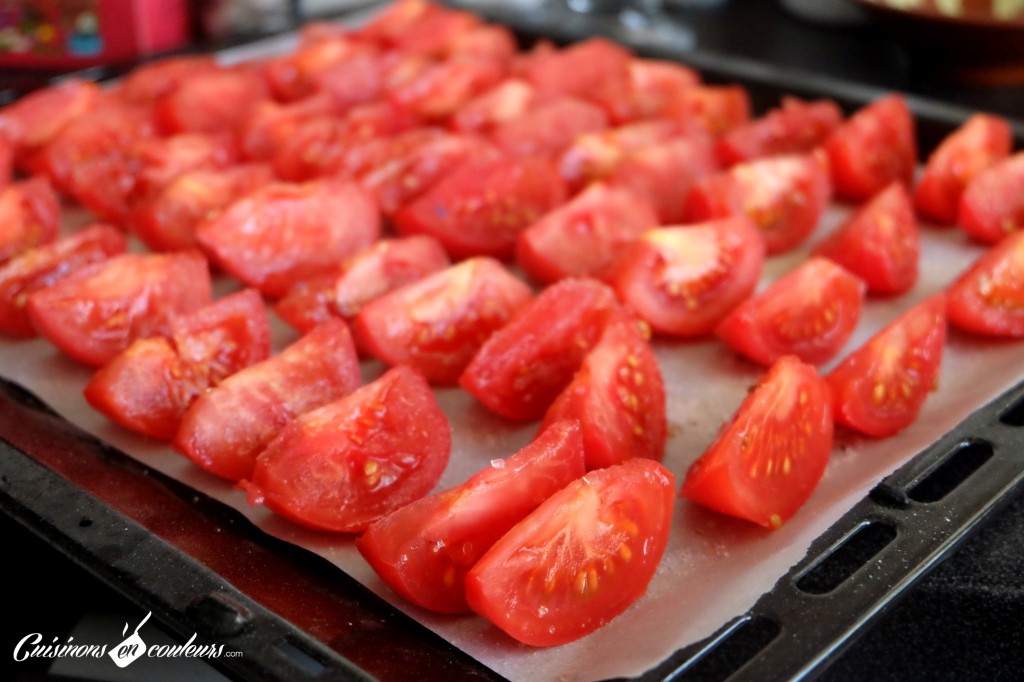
[270,125]
[424,549]
[211,101]
[147,83]
[981,142]
[785,196]
[481,206]
[879,243]
[438,323]
[880,387]
[147,387]
[397,19]
[29,216]
[443,88]
[874,147]
[796,127]
[583,236]
[578,560]
[359,79]
[522,367]
[580,69]
[993,204]
[651,85]
[226,428]
[293,76]
[716,108]
[342,466]
[547,129]
[42,266]
[157,162]
[97,311]
[769,458]
[6,161]
[492,43]
[685,280]
[593,156]
[618,396]
[309,302]
[434,33]
[282,233]
[35,119]
[506,101]
[988,298]
[810,313]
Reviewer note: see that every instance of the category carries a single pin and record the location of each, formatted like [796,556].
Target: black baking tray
[294,616]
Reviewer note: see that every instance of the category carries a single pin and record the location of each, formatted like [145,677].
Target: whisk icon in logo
[128,651]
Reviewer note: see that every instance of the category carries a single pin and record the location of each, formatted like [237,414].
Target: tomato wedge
[211,101]
[342,466]
[29,216]
[580,69]
[506,101]
[810,313]
[880,387]
[593,156]
[424,549]
[716,108]
[795,127]
[993,204]
[547,129]
[880,242]
[684,280]
[771,455]
[226,428]
[988,298]
[33,120]
[580,559]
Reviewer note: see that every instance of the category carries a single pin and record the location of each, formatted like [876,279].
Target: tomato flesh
[29,216]
[988,298]
[796,127]
[993,205]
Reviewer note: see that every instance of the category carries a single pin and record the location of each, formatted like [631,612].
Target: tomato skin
[595,567]
[424,549]
[160,160]
[988,297]
[29,216]
[42,266]
[342,466]
[992,204]
[769,458]
[35,119]
[683,280]
[651,85]
[281,233]
[437,324]
[444,87]
[579,69]
[618,396]
[796,127]
[522,367]
[548,128]
[97,311]
[982,141]
[716,108]
[506,101]
[875,146]
[810,313]
[226,428]
[879,242]
[593,156]
[211,101]
[880,387]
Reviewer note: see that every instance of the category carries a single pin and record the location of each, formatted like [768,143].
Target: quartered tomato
[29,216]
[583,236]
[522,367]
[147,83]
[424,549]
[444,87]
[42,266]
[292,77]
[875,146]
[437,323]
[810,313]
[769,458]
[989,297]
[211,101]
[993,204]
[593,156]
[880,387]
[982,141]
[580,559]
[35,119]
[506,101]
[342,466]
[269,126]
[147,387]
[547,129]
[879,243]
[618,396]
[785,196]
[794,128]
[158,161]
[97,311]
[716,108]
[226,428]
[684,280]
[579,69]
[651,85]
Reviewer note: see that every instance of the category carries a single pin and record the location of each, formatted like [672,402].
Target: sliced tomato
[880,387]
[484,42]
[158,161]
[593,156]
[6,161]
[397,19]
[684,280]
[293,76]
[29,216]
[716,108]
[785,196]
[344,465]
[211,101]
[147,387]
[443,88]
[875,146]
[506,101]
[359,79]
[270,124]
[993,204]
[583,236]
[988,298]
[33,120]
[618,396]
[147,83]
[579,69]
[309,302]
[522,367]
[796,127]
[651,85]
[281,233]
[481,206]
[434,33]
[580,559]
[43,266]
[880,242]
[769,458]
[548,128]
[810,313]
[226,428]
[97,311]
[424,549]
[982,141]
[438,323]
